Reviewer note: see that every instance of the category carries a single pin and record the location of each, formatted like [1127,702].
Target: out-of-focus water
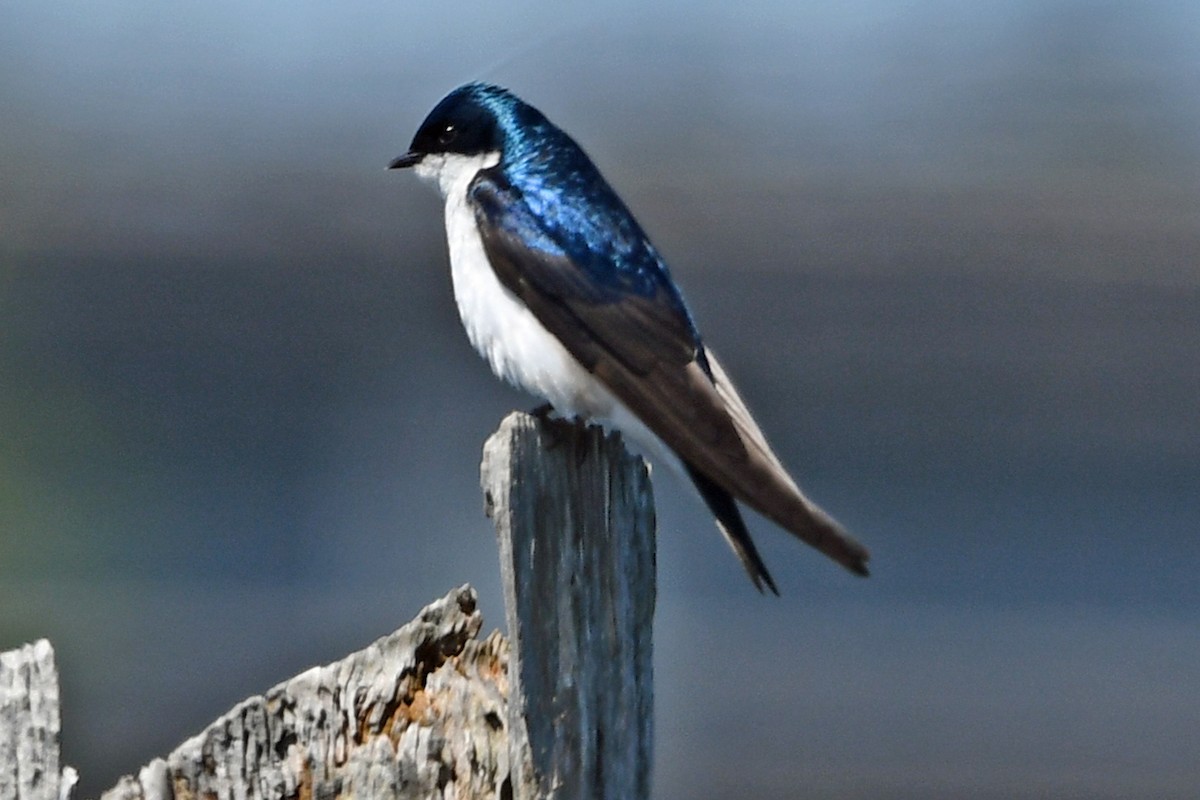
[949,251]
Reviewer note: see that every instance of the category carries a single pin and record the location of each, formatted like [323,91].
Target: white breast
[505,332]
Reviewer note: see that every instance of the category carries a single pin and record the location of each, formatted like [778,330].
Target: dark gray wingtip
[854,556]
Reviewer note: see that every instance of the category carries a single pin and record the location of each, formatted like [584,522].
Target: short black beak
[407,160]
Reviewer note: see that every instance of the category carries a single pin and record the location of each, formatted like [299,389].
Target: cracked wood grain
[431,711]
[414,715]
[29,726]
[574,514]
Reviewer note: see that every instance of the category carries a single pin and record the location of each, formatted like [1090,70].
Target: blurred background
[950,251]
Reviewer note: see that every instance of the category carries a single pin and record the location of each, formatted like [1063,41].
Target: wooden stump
[417,714]
[431,711]
[574,515]
[29,726]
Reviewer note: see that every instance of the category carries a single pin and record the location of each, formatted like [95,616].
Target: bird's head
[464,133]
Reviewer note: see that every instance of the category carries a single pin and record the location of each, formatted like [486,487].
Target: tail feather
[773,493]
[733,528]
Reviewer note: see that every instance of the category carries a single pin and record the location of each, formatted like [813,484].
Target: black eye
[448,135]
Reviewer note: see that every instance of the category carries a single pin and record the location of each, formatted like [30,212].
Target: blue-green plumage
[562,292]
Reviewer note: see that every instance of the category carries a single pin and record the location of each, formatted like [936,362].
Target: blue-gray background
[949,250]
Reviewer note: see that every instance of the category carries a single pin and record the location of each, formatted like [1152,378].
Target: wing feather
[642,345]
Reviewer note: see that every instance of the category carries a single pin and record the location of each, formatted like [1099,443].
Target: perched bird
[564,295]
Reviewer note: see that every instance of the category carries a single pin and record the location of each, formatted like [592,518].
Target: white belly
[508,335]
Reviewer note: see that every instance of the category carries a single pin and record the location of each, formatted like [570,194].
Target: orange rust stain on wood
[414,707]
[181,789]
[304,791]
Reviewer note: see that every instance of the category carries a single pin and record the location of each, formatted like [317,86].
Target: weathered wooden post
[574,515]
[562,709]
[416,715]
[29,726]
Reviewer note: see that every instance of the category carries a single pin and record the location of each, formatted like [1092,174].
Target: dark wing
[637,339]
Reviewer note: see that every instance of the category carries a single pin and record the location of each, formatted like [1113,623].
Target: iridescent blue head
[473,120]
[482,136]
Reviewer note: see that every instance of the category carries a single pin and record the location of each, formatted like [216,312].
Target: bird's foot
[553,429]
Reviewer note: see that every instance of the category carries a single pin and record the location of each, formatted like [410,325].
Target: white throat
[452,173]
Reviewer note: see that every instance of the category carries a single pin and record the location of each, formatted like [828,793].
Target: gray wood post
[29,726]
[574,514]
[431,711]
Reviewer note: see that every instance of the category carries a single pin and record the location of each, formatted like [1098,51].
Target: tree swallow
[563,294]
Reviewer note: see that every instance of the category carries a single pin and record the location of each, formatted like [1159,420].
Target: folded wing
[635,336]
